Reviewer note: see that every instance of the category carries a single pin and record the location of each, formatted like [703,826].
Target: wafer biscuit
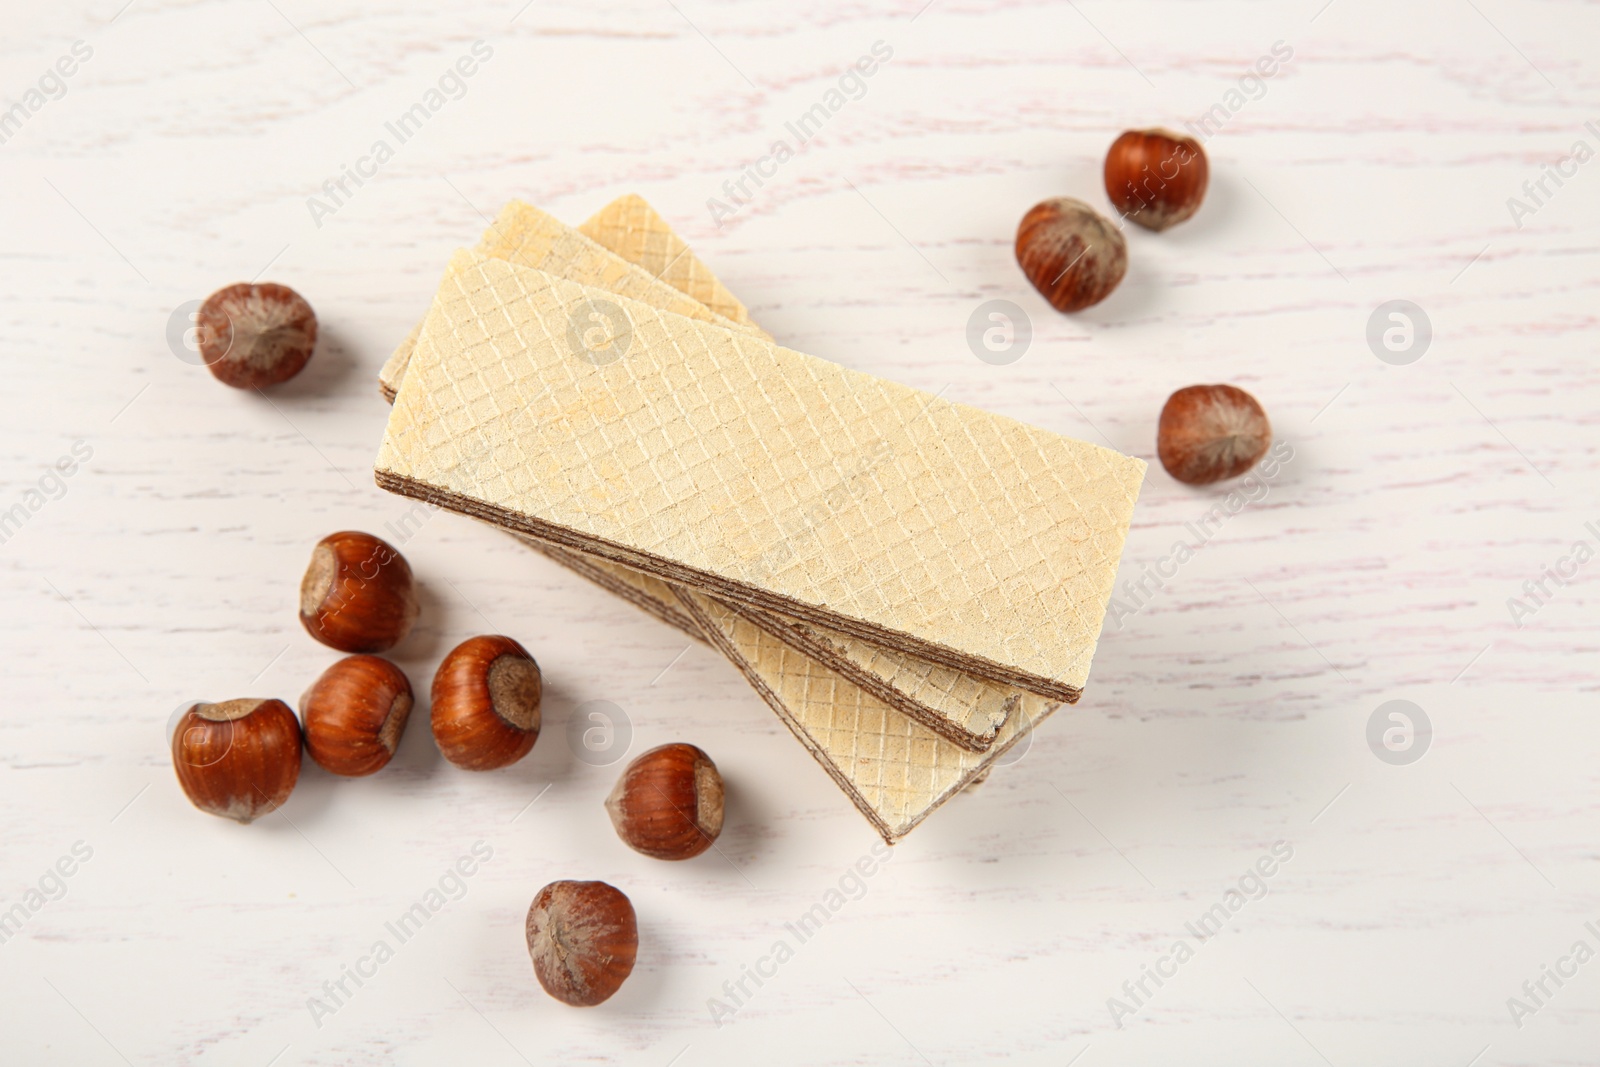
[712,458]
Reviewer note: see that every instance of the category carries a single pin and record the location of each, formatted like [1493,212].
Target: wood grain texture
[1229,711]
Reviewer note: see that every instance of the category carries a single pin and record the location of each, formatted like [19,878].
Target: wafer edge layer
[890,834]
[720,587]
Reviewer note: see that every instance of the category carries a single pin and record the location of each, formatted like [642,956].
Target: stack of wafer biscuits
[910,584]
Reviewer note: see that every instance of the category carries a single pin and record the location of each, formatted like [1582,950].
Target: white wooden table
[1228,712]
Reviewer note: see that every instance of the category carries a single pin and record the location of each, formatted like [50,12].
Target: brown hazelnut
[354,714]
[239,758]
[255,335]
[1156,178]
[668,803]
[357,594]
[583,938]
[1211,432]
[486,703]
[1071,254]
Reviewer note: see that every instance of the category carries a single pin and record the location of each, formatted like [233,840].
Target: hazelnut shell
[1208,433]
[583,938]
[255,335]
[1072,254]
[1156,178]
[357,594]
[486,697]
[668,803]
[354,714]
[238,758]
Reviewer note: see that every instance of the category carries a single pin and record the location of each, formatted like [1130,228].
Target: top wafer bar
[721,461]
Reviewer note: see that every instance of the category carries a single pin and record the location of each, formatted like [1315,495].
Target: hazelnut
[1156,178]
[1211,432]
[668,803]
[1071,254]
[255,335]
[583,938]
[239,758]
[486,703]
[355,713]
[357,594]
